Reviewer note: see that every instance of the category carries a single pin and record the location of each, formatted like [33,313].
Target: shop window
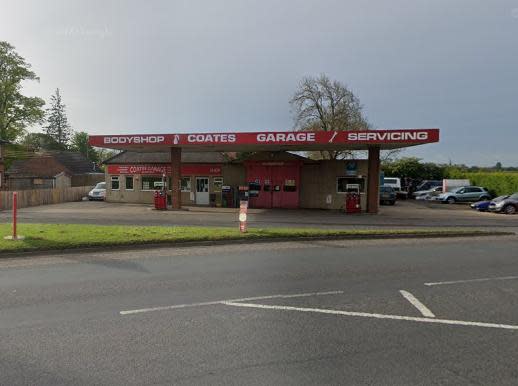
[266,186]
[289,186]
[185,184]
[115,183]
[342,182]
[151,183]
[129,182]
[218,184]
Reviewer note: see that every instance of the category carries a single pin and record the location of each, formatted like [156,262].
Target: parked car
[481,206]
[505,204]
[98,192]
[463,194]
[387,195]
[427,194]
[428,184]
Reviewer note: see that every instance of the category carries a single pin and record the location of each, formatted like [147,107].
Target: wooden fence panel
[43,196]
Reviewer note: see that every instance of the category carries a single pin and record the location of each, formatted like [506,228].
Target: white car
[98,192]
[427,194]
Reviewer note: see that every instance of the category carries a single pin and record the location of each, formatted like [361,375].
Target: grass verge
[59,237]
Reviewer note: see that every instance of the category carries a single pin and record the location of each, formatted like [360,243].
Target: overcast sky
[166,66]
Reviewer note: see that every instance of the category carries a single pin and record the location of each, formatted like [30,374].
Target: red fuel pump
[160,200]
[352,199]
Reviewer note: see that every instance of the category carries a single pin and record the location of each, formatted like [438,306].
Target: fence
[43,196]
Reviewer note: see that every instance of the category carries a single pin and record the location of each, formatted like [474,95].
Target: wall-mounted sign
[160,169]
[351,168]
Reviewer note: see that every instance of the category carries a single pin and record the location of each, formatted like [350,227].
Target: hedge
[498,183]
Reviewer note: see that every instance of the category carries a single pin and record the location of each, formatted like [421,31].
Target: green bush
[498,183]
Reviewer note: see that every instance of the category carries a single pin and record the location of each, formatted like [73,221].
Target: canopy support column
[176,164]
[373,183]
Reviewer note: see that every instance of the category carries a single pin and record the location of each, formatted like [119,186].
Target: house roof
[133,157]
[46,165]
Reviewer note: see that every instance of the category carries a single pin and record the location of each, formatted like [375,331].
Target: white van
[393,182]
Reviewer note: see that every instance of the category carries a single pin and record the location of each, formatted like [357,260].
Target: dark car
[387,195]
[481,206]
[505,204]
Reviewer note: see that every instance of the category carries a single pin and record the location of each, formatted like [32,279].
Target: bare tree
[323,104]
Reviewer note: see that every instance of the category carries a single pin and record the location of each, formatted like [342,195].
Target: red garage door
[277,184]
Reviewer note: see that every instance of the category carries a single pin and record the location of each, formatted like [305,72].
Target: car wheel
[485,198]
[509,209]
[392,202]
[451,200]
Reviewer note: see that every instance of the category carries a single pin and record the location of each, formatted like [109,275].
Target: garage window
[185,184]
[151,183]
[129,182]
[342,182]
[115,183]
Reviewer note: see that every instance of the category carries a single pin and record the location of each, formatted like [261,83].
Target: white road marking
[279,296]
[471,280]
[375,316]
[417,304]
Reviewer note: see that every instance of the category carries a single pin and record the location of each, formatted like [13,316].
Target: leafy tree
[17,112]
[40,141]
[412,167]
[322,104]
[80,144]
[498,166]
[57,122]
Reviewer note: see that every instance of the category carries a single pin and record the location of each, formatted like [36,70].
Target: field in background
[498,183]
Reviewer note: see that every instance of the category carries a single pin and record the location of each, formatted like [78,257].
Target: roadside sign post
[15,235]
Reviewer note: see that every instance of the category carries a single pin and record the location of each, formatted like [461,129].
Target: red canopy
[270,141]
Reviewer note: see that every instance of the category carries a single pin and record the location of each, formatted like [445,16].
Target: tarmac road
[306,313]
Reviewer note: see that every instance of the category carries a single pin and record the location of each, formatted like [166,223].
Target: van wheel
[451,200]
[509,209]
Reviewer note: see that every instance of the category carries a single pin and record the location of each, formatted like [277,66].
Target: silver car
[427,194]
[505,204]
[98,192]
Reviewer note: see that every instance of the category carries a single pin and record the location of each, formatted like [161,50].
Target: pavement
[385,312]
[405,214]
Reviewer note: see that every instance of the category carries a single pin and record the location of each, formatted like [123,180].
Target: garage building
[275,179]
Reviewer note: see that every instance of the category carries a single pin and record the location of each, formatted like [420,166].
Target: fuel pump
[352,198]
[160,195]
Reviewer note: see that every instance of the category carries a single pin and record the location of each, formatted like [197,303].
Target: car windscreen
[514,196]
[101,185]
